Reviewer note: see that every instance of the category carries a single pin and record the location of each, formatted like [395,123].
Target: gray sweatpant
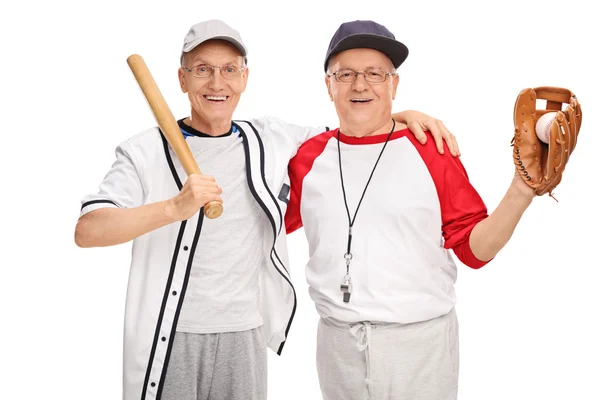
[389,361]
[217,366]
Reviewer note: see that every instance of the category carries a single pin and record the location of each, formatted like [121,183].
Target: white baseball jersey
[146,170]
[418,205]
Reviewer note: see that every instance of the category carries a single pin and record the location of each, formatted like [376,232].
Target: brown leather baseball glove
[542,165]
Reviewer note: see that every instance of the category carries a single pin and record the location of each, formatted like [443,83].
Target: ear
[245,75]
[328,84]
[180,75]
[395,82]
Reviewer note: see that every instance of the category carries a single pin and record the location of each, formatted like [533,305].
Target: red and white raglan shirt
[418,205]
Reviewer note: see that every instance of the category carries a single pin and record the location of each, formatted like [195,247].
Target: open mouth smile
[215,99]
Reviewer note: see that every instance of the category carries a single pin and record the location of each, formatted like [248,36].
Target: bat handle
[213,209]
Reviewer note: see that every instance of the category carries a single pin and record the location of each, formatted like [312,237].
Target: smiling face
[214,98]
[362,107]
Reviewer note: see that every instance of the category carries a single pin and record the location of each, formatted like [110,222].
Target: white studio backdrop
[528,320]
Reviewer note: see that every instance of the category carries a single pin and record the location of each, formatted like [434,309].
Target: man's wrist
[169,211]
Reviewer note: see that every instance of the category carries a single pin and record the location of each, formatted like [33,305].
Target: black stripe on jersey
[287,329]
[87,203]
[180,303]
[262,171]
[162,310]
[170,161]
[262,174]
[168,289]
[266,210]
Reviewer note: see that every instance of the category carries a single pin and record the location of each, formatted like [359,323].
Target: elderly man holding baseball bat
[381,212]
[206,294]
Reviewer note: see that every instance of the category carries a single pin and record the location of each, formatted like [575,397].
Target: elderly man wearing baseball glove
[206,297]
[381,214]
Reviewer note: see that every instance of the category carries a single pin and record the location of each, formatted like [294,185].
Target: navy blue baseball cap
[366,34]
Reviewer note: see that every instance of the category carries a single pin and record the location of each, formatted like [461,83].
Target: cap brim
[395,50]
[229,39]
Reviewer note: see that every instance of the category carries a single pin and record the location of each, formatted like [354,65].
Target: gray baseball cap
[212,29]
[366,34]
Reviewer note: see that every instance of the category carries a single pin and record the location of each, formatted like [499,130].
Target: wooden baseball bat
[168,124]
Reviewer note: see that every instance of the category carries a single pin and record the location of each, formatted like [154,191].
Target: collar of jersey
[373,139]
[188,131]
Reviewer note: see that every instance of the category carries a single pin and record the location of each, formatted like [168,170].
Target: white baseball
[542,126]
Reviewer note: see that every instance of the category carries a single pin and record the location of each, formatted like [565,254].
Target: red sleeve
[298,167]
[461,206]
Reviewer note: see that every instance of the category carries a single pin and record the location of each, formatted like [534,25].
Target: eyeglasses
[229,71]
[372,75]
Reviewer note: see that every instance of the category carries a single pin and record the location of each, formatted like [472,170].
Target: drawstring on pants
[362,332]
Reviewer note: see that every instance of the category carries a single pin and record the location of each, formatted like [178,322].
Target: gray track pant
[389,361]
[218,366]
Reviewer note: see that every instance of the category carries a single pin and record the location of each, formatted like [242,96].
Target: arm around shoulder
[298,134]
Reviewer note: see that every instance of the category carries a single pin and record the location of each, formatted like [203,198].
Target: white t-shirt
[418,206]
[223,290]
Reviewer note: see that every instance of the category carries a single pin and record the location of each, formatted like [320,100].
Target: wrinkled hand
[195,193]
[418,122]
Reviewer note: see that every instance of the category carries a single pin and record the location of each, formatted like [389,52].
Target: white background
[528,320]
